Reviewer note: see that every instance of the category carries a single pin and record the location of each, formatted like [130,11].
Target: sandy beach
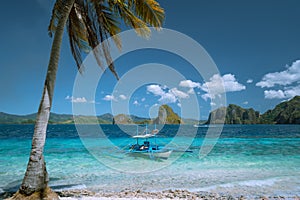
[167,194]
[162,195]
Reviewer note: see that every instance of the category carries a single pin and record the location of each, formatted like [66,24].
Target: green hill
[234,115]
[287,112]
[54,119]
[167,116]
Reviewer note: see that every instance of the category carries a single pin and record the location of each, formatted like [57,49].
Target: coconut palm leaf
[149,11]
[91,22]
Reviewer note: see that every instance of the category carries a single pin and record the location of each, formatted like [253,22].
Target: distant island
[287,112]
[165,116]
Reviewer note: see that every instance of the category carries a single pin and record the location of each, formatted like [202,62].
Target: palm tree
[89,23]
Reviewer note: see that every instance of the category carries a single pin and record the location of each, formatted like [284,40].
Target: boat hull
[152,154]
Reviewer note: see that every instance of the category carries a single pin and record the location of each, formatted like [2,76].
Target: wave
[59,188]
[248,183]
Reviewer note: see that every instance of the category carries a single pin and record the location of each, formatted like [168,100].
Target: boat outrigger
[147,149]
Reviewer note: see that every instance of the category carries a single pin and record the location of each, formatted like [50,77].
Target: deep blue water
[247,159]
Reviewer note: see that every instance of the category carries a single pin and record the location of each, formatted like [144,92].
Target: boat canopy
[143,136]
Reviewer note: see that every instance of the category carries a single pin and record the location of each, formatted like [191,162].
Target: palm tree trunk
[36,176]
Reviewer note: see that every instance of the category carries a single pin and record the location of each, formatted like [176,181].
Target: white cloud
[179,105]
[122,96]
[231,84]
[143,99]
[245,102]
[178,93]
[218,85]
[212,104]
[156,90]
[191,91]
[76,100]
[250,81]
[290,92]
[286,93]
[170,96]
[286,81]
[109,98]
[287,77]
[273,94]
[167,98]
[135,102]
[189,84]
[207,96]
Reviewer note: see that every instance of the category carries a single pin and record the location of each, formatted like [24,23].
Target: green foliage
[287,112]
[284,113]
[234,114]
[91,22]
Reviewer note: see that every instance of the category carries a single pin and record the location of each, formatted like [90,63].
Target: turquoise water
[247,159]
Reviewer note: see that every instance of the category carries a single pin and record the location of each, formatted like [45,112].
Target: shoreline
[80,194]
[165,194]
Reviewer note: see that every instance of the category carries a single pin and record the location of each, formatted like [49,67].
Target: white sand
[106,198]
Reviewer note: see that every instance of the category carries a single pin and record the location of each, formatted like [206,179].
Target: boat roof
[143,136]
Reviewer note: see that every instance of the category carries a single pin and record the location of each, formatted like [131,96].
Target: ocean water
[250,160]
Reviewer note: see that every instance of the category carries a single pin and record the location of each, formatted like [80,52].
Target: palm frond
[56,13]
[122,9]
[107,21]
[149,11]
[97,38]
[78,36]
[92,22]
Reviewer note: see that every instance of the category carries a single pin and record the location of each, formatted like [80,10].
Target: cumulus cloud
[287,77]
[219,84]
[212,104]
[178,93]
[287,82]
[109,98]
[286,93]
[245,102]
[122,96]
[207,96]
[167,98]
[231,84]
[170,96]
[156,90]
[143,99]
[191,91]
[76,100]
[250,81]
[273,94]
[135,102]
[189,84]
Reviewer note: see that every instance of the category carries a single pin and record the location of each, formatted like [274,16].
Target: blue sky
[255,45]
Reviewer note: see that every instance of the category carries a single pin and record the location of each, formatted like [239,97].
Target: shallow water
[247,159]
